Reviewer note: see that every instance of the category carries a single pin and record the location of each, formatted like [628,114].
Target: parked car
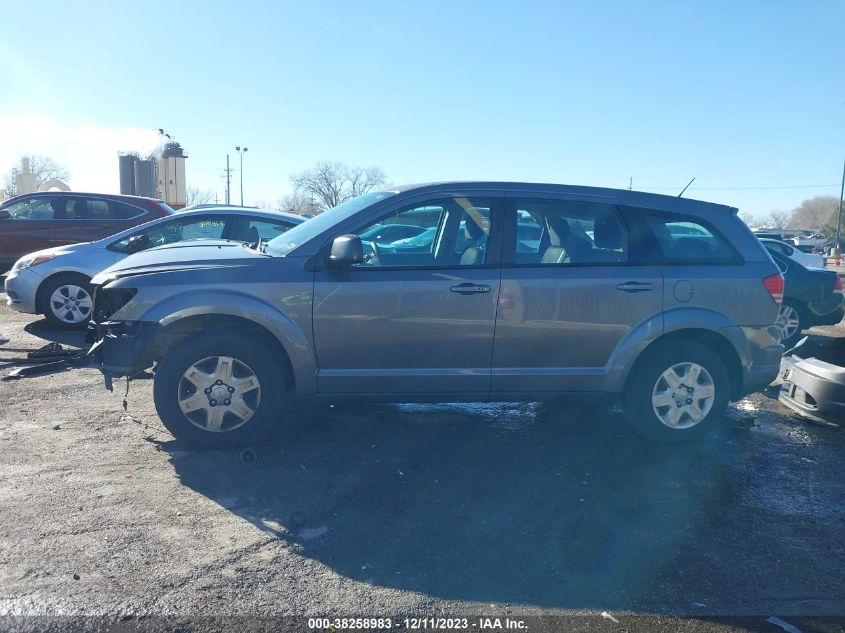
[389,233]
[33,221]
[807,260]
[813,384]
[613,303]
[812,296]
[55,282]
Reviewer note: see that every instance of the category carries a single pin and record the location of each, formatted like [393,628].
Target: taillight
[837,285]
[774,284]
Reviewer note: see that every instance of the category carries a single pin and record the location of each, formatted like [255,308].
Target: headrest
[607,232]
[472,230]
[558,229]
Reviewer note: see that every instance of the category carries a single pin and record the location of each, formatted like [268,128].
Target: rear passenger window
[552,232]
[687,240]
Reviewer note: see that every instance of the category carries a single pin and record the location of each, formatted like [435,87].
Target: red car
[33,221]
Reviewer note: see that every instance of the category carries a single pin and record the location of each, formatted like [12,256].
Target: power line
[744,188]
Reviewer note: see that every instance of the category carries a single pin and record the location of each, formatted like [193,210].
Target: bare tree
[779,218]
[815,213]
[43,168]
[329,184]
[297,202]
[748,218]
[195,196]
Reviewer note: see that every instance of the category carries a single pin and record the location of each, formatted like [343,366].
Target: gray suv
[509,292]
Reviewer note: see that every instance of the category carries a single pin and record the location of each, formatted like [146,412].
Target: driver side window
[450,232]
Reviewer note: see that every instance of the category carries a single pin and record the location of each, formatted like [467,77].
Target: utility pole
[839,216]
[242,152]
[228,180]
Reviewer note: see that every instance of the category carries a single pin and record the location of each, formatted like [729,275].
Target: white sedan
[808,260]
[55,282]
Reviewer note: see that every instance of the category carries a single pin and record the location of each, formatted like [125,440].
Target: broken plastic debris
[786,626]
[605,614]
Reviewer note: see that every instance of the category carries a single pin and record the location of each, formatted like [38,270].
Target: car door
[28,228]
[573,289]
[418,321]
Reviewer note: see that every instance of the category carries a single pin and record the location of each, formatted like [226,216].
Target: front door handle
[636,286]
[470,288]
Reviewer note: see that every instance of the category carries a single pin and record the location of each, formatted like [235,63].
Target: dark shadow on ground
[43,330]
[556,506]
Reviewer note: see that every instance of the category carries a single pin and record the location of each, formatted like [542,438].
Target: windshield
[308,230]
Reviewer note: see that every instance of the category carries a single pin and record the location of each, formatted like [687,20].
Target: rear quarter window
[681,240]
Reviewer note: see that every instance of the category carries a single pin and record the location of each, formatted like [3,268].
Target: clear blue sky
[738,94]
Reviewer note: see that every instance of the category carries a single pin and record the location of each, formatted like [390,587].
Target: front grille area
[107,301]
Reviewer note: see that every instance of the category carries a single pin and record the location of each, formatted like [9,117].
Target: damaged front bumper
[814,382]
[122,348]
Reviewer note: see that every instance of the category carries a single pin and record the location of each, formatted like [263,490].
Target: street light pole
[242,152]
[839,216]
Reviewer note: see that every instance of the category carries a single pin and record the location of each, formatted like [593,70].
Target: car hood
[61,250]
[196,254]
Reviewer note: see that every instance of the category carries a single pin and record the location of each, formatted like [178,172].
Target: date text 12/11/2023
[416,624]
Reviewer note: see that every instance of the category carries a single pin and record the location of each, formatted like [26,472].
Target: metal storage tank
[127,174]
[145,178]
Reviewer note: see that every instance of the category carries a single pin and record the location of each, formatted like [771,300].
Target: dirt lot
[426,509]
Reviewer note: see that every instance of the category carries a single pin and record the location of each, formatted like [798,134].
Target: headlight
[31,260]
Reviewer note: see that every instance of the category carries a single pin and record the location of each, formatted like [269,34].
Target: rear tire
[677,392]
[219,389]
[66,301]
[791,322]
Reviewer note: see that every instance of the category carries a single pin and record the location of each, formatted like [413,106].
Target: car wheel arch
[179,329]
[40,298]
[716,341]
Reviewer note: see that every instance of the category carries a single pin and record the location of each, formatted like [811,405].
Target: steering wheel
[371,254]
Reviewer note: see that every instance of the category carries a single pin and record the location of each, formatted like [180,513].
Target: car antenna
[685,188]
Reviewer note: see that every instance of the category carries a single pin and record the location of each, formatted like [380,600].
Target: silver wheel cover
[71,303]
[788,322]
[683,395]
[219,394]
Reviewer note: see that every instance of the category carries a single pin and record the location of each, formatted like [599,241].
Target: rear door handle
[470,288]
[636,286]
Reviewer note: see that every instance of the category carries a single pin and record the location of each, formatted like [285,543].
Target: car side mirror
[4,215]
[139,242]
[347,250]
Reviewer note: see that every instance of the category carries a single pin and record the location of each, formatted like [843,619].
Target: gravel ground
[500,509]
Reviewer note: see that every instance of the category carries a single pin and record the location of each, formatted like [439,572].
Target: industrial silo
[127,173]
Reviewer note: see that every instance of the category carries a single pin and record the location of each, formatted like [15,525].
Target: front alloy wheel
[220,388]
[71,304]
[219,394]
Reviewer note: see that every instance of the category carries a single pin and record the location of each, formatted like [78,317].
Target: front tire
[219,389]
[66,301]
[677,392]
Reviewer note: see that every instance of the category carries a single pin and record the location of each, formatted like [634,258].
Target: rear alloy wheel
[67,302]
[789,323]
[683,395]
[677,392]
[219,389]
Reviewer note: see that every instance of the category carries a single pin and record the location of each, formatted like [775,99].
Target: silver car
[523,292]
[55,281]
